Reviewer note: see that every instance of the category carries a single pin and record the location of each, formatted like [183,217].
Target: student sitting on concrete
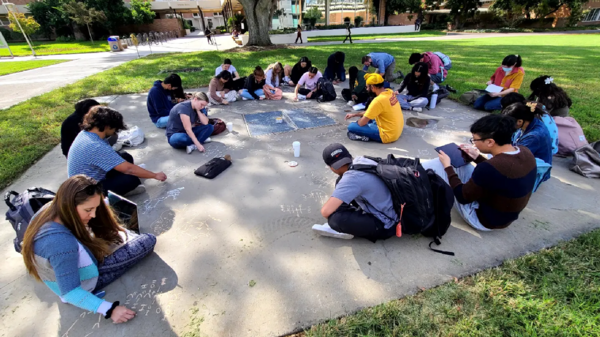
[335,71]
[76,247]
[491,194]
[383,121]
[509,76]
[309,81]
[417,84]
[160,99]
[438,69]
[385,64]
[236,83]
[253,88]
[217,93]
[554,99]
[188,126]
[273,79]
[71,126]
[292,75]
[91,155]
[358,92]
[375,219]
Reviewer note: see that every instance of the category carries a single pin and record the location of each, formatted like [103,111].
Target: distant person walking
[299,34]
[208,35]
[418,22]
[348,34]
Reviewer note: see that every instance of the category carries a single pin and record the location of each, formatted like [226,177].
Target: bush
[192,29]
[65,39]
[221,28]
[6,33]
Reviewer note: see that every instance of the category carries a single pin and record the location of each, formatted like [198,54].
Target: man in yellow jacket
[383,121]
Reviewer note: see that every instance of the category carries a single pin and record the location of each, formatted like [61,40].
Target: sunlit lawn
[425,33]
[30,129]
[16,66]
[55,48]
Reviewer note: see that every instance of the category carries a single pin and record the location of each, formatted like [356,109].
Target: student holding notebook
[509,76]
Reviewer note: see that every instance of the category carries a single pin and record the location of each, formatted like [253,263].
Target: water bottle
[433,102]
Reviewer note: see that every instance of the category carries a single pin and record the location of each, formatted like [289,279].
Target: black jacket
[251,85]
[69,130]
[298,71]
[414,89]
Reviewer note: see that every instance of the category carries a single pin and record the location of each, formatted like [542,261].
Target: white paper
[494,88]
[358,107]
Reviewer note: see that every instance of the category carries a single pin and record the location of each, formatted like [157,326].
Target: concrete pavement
[253,223]
[27,84]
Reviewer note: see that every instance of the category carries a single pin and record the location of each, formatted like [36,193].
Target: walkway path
[24,85]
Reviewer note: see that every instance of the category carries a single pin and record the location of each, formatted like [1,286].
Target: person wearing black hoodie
[160,99]
[299,69]
[335,71]
[71,126]
[417,85]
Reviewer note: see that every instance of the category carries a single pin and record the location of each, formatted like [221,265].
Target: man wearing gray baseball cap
[361,204]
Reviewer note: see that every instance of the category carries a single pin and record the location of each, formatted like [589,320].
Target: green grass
[554,292]
[55,48]
[427,33]
[16,66]
[30,129]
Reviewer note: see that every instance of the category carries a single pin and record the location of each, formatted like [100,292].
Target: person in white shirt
[273,79]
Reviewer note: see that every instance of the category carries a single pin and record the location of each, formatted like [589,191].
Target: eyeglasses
[92,189]
[473,140]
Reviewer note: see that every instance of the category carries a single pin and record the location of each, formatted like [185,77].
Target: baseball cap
[336,155]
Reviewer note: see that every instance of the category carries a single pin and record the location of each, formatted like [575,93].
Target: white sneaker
[301,97]
[417,109]
[351,103]
[287,79]
[325,230]
[138,190]
[207,140]
[190,148]
[244,98]
[261,96]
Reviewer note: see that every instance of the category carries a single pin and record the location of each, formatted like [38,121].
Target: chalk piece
[293,163]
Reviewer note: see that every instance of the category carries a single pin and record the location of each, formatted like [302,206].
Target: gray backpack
[586,160]
[22,207]
[470,97]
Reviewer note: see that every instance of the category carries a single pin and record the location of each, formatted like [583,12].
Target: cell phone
[457,156]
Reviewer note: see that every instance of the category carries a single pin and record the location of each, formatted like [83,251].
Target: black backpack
[327,90]
[443,201]
[441,92]
[22,207]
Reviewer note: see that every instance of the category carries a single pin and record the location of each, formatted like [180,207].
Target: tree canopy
[26,24]
[141,11]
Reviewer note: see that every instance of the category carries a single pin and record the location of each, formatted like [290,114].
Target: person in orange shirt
[509,76]
[383,121]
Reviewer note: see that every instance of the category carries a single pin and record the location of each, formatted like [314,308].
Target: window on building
[593,15]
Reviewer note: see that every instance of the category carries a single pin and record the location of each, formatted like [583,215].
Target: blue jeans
[331,74]
[181,140]
[439,77]
[246,94]
[370,130]
[488,103]
[161,123]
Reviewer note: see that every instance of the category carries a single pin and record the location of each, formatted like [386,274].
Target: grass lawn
[425,33]
[550,293]
[55,48]
[30,129]
[16,66]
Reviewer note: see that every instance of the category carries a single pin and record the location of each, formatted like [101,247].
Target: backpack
[411,191]
[22,207]
[470,97]
[218,124]
[327,90]
[443,201]
[445,59]
[570,135]
[441,92]
[586,160]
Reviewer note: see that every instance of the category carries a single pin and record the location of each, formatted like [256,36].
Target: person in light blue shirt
[385,64]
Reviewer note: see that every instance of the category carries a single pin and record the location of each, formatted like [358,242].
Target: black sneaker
[354,136]
[452,90]
[400,75]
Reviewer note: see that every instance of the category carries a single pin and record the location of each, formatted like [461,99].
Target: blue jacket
[537,139]
[381,61]
[159,102]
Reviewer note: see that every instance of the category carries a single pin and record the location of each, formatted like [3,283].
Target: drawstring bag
[586,160]
[134,136]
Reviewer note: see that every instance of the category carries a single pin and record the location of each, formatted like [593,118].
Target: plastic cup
[229,126]
[296,146]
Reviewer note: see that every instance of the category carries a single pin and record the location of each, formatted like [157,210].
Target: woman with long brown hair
[76,246]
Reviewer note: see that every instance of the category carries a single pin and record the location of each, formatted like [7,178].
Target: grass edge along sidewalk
[30,129]
[553,292]
[55,48]
[11,67]
[425,33]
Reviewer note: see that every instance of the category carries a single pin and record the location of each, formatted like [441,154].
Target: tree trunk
[90,31]
[258,22]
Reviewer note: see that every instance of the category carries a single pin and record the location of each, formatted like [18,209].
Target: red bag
[219,125]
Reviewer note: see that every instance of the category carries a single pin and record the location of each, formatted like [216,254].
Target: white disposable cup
[229,126]
[296,146]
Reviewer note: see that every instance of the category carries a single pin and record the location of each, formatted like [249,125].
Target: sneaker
[350,103]
[417,109]
[244,98]
[354,136]
[399,75]
[287,79]
[190,148]
[207,140]
[262,96]
[451,89]
[325,230]
[301,97]
[138,190]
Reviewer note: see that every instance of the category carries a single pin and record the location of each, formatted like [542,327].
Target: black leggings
[120,183]
[351,220]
